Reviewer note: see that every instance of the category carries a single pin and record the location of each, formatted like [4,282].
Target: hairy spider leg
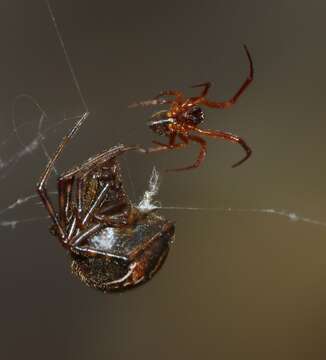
[41,186]
[232,101]
[229,137]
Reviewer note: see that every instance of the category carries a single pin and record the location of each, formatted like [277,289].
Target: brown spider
[184,116]
[94,207]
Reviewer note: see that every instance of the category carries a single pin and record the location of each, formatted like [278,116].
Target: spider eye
[195,115]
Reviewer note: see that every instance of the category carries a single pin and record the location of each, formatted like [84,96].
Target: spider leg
[65,195]
[41,186]
[70,212]
[95,204]
[75,243]
[232,101]
[79,196]
[229,137]
[192,101]
[80,173]
[161,146]
[88,251]
[151,102]
[202,151]
[167,146]
[67,207]
[177,94]
[76,238]
[99,160]
[185,141]
[78,222]
[113,209]
[71,229]
[158,101]
[206,87]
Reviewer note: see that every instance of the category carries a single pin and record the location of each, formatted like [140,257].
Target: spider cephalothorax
[161,123]
[182,119]
[167,123]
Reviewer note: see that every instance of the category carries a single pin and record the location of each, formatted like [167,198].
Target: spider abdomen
[126,257]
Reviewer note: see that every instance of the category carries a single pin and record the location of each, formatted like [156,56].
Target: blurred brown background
[235,285]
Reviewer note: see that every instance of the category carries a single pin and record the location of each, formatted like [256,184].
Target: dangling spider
[184,116]
[94,208]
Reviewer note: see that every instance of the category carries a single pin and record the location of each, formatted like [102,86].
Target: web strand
[67,57]
[292,216]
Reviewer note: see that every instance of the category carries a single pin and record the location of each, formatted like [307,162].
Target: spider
[93,208]
[184,116]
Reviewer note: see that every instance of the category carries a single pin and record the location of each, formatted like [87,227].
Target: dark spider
[93,206]
[184,116]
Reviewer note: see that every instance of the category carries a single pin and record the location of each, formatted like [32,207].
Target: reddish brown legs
[177,94]
[230,102]
[185,141]
[202,152]
[203,146]
[158,99]
[206,87]
[189,103]
[161,147]
[229,137]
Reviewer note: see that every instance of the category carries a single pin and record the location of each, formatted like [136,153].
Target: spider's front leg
[42,184]
[232,101]
[178,98]
[206,87]
[177,94]
[192,101]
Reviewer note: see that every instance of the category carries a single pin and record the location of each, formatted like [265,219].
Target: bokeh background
[235,285]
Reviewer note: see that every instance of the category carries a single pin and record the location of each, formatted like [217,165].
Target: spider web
[8,214]
[8,163]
